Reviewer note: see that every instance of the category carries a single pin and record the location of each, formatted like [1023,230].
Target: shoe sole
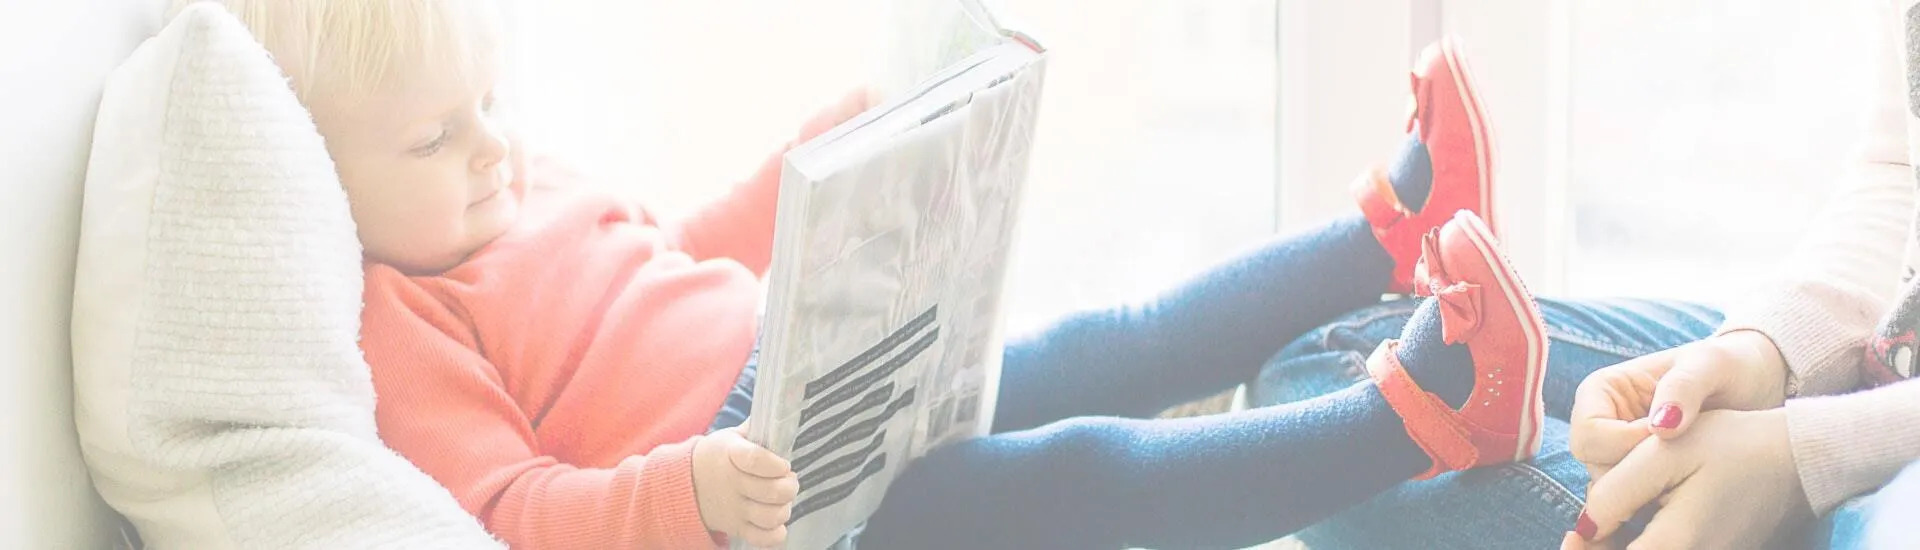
[1476,114]
[1517,295]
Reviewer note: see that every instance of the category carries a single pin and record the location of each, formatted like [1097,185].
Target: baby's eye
[429,148]
[486,103]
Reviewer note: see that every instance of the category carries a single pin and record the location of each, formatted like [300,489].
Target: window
[1154,155]
[1703,136]
[1155,150]
[1647,149]
[672,102]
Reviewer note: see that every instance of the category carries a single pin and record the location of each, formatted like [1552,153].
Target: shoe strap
[1430,423]
[1381,206]
[1378,201]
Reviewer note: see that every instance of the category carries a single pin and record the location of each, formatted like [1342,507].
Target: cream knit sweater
[1838,285]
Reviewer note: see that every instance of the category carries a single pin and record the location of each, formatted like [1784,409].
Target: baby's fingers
[771,491]
[768,516]
[757,461]
[765,538]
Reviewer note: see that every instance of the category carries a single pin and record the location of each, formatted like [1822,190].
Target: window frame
[1333,121]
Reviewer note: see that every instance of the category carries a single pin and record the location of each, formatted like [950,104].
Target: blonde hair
[352,47]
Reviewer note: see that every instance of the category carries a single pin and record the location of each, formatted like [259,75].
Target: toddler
[573,368]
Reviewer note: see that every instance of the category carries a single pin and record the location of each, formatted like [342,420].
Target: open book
[882,336]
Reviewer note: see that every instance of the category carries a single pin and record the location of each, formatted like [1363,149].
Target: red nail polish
[1585,527]
[1667,416]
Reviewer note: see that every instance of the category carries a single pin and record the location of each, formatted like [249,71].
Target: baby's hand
[849,106]
[744,490]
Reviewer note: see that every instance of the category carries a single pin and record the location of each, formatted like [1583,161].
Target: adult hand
[1731,483]
[1662,393]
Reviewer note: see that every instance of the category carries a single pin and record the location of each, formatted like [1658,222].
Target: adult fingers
[1573,542]
[1604,441]
[1672,528]
[1638,480]
[1703,370]
[1608,405]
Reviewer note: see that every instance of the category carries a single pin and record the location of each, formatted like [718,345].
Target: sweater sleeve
[1843,276]
[1846,445]
[444,407]
[740,225]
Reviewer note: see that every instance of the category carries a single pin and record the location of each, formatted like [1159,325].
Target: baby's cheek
[422,228]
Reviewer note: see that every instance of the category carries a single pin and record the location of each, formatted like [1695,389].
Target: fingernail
[1667,416]
[1585,527]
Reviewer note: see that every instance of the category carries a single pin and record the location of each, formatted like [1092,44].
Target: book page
[929,35]
[882,338]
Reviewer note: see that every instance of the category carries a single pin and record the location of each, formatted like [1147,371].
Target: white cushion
[221,398]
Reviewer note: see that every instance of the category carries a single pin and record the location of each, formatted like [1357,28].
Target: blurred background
[1662,149]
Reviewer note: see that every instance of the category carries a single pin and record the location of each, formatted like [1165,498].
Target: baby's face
[424,166]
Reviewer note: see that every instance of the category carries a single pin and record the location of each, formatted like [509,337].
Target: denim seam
[1375,315]
[1564,335]
[1594,343]
[1568,501]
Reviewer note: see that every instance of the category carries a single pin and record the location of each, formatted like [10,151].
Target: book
[882,336]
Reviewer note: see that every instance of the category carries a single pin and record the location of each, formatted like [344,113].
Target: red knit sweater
[556,380]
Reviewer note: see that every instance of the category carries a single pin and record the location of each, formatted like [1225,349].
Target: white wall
[54,57]
[1342,87]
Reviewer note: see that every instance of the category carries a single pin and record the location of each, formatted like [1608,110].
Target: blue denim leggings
[1077,462]
[1523,505]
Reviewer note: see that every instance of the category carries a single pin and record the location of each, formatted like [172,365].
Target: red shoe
[1448,120]
[1484,305]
